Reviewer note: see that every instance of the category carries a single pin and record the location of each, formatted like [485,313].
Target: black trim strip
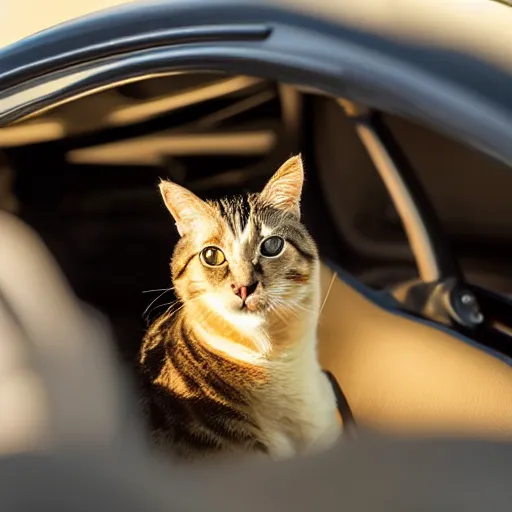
[349,422]
[130,43]
[457,65]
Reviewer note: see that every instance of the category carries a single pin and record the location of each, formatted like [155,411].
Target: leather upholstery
[404,376]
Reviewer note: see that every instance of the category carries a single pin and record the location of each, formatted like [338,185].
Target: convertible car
[403,115]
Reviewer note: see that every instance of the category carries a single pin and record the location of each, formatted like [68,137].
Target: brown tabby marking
[233,370]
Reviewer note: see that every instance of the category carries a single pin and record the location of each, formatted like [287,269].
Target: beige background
[20,18]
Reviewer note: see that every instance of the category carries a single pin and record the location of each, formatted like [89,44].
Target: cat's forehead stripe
[236,212]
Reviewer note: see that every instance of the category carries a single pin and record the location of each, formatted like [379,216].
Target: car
[214,94]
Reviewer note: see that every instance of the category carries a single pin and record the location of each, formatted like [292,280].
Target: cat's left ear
[284,189]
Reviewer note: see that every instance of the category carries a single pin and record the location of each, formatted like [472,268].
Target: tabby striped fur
[226,378]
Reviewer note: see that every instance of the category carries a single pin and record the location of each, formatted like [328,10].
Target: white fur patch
[265,231]
[250,325]
[247,233]
[298,411]
[228,347]
[240,320]
[241,238]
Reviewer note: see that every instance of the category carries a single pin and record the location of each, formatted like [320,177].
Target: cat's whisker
[295,305]
[276,308]
[172,313]
[159,290]
[161,306]
[152,302]
[297,310]
[168,310]
[304,309]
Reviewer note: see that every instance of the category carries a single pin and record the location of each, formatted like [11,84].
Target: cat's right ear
[284,189]
[186,208]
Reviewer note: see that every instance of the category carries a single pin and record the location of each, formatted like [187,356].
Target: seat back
[405,376]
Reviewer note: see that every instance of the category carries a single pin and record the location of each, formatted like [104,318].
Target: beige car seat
[406,376]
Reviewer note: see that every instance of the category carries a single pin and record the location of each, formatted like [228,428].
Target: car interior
[84,176]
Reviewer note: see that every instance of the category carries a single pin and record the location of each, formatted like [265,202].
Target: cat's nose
[244,291]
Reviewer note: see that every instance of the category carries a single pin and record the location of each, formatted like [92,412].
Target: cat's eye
[272,246]
[212,256]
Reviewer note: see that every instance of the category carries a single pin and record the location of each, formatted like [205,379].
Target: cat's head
[246,258]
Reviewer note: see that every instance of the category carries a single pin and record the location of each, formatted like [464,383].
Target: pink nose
[244,291]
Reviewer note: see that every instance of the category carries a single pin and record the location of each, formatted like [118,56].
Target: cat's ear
[186,208]
[284,189]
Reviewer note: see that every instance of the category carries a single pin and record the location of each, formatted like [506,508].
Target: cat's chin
[241,317]
[250,310]
[245,319]
[252,306]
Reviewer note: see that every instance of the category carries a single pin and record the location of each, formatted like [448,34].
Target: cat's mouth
[252,304]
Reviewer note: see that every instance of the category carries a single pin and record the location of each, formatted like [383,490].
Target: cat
[233,369]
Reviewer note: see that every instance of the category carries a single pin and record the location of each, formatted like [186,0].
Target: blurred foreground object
[58,385]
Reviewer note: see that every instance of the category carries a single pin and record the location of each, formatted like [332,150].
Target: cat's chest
[299,419]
